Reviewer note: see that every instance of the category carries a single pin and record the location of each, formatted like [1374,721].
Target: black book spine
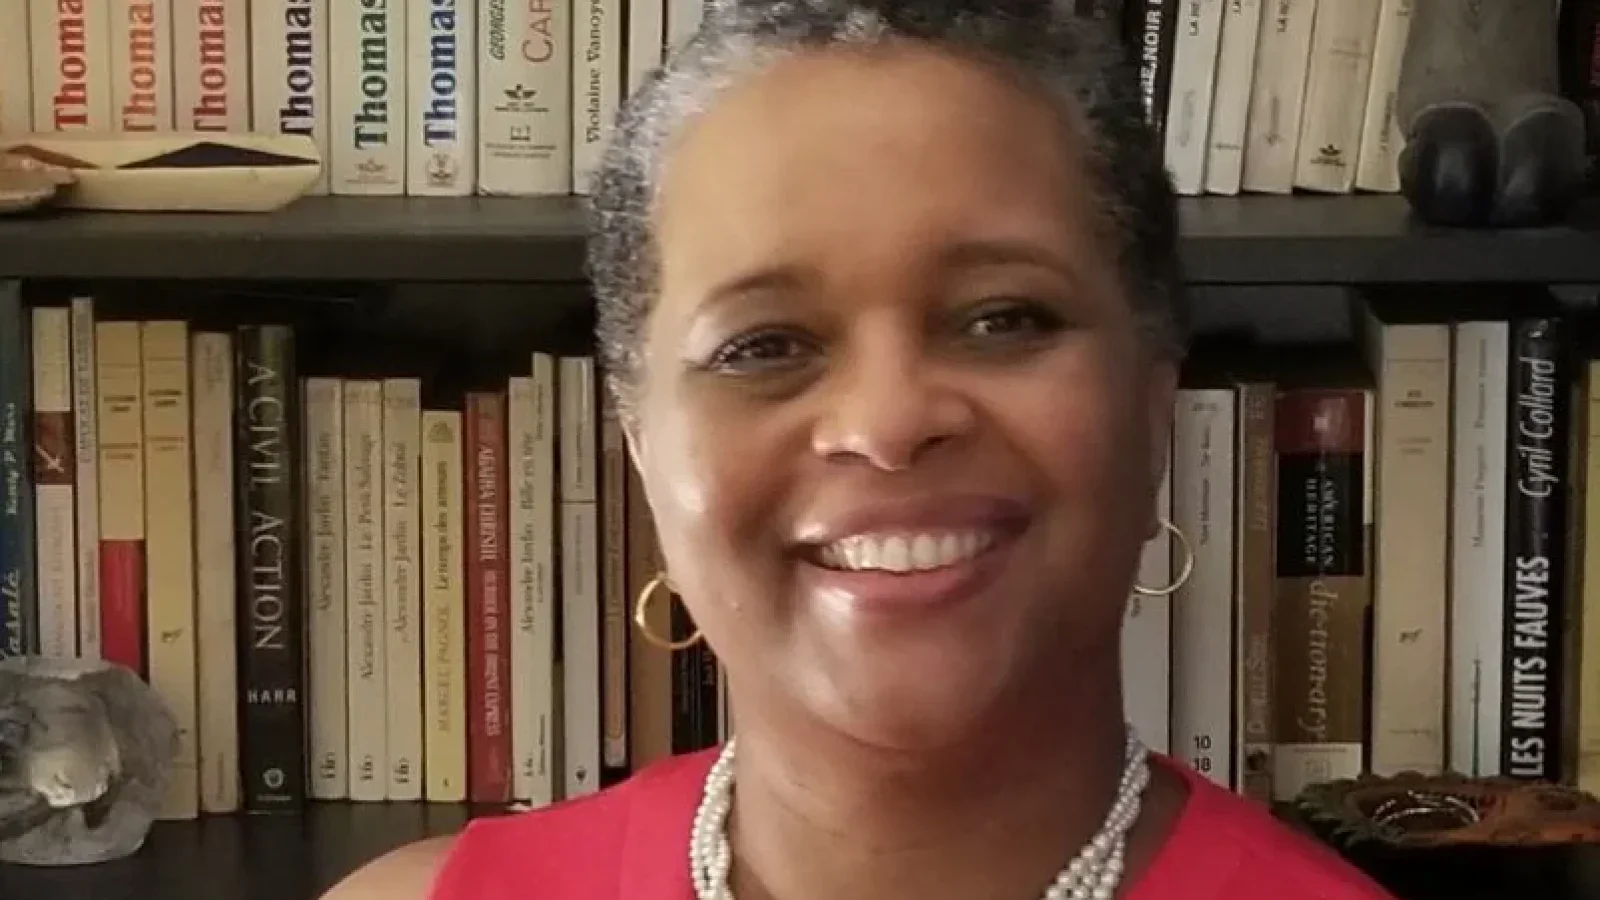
[1538,423]
[19,615]
[272,731]
[1151,28]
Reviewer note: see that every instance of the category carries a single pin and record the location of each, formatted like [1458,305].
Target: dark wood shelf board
[1227,240]
[481,239]
[241,857]
[1373,239]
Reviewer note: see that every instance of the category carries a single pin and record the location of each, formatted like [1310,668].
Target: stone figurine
[86,750]
[1490,140]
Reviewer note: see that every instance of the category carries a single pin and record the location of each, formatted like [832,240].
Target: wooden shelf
[1227,240]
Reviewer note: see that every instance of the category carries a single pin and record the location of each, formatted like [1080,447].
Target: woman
[889,295]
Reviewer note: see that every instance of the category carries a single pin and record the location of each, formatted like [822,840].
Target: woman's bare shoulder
[405,873]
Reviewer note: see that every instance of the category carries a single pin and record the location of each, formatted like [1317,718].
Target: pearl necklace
[1093,874]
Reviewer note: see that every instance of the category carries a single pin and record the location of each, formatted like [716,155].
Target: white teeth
[915,552]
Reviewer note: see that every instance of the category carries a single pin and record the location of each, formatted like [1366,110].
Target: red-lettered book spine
[488,602]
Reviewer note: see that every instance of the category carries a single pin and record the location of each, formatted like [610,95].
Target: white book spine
[289,72]
[596,84]
[326,624]
[16,70]
[1147,638]
[1378,165]
[683,20]
[1194,75]
[142,65]
[55,510]
[525,132]
[1202,633]
[444,606]
[70,47]
[1477,547]
[577,434]
[1277,95]
[442,149]
[531,436]
[402,462]
[211,65]
[211,374]
[647,27]
[364,590]
[1230,105]
[366,53]
[86,446]
[1336,95]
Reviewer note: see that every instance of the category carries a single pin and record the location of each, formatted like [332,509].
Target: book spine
[142,65]
[18,619]
[271,620]
[649,666]
[1153,31]
[1147,637]
[55,553]
[366,51]
[442,142]
[444,603]
[647,32]
[16,70]
[1230,104]
[1477,544]
[364,591]
[613,549]
[531,421]
[323,402]
[1588,639]
[1538,418]
[1277,96]
[596,83]
[216,584]
[289,73]
[86,448]
[1336,95]
[1378,160]
[1255,585]
[71,53]
[1202,644]
[1194,78]
[1324,588]
[577,432]
[525,133]
[1411,557]
[169,552]
[211,65]
[402,600]
[119,389]
[683,19]
[488,644]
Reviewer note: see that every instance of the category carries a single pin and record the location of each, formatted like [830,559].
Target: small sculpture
[27,184]
[86,749]
[1490,140]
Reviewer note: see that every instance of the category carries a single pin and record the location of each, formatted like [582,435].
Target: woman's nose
[888,407]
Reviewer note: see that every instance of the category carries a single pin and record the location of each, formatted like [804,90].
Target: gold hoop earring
[642,605]
[1183,574]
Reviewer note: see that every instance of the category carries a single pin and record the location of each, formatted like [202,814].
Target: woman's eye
[1019,319]
[758,350]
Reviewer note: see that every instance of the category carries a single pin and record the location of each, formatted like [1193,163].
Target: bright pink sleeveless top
[630,842]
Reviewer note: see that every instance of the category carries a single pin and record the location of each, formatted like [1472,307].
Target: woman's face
[895,420]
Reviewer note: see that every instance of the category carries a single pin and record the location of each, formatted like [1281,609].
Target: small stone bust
[86,748]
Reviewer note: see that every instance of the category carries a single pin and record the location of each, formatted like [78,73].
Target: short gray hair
[1076,59]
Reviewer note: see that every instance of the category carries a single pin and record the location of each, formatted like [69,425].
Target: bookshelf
[1246,240]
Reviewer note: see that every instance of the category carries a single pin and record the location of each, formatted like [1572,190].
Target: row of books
[378,586]
[419,97]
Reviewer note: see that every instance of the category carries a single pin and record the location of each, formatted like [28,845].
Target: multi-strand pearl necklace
[1091,875]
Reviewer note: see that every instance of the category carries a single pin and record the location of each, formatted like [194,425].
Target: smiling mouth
[902,553]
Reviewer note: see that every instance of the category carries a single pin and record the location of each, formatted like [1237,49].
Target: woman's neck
[819,815]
